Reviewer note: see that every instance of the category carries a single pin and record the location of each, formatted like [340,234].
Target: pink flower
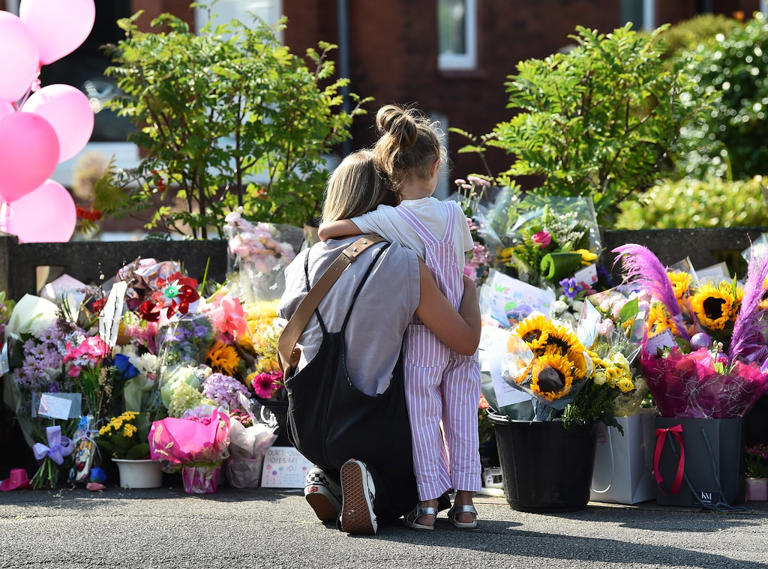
[74,371]
[264,384]
[477,180]
[228,318]
[542,239]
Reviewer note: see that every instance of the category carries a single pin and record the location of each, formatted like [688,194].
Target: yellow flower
[620,361]
[579,363]
[534,331]
[129,431]
[505,255]
[587,256]
[680,283]
[599,378]
[223,358]
[551,377]
[714,305]
[563,339]
[657,321]
[625,385]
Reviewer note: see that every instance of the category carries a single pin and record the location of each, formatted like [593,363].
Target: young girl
[439,384]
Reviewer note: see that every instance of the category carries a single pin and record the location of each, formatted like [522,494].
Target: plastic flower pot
[545,467]
[201,479]
[139,473]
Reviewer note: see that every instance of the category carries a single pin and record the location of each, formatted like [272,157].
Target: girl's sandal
[411,519]
[456,511]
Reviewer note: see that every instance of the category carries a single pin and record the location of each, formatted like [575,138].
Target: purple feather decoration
[747,342]
[643,268]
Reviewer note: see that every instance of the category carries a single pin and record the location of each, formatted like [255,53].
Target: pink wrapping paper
[194,440]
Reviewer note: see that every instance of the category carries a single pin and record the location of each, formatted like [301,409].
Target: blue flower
[570,287]
[125,367]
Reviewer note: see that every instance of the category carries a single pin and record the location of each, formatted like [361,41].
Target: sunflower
[534,331]
[563,339]
[579,363]
[658,320]
[551,377]
[680,283]
[223,358]
[714,306]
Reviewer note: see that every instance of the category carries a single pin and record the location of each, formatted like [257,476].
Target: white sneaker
[323,495]
[358,495]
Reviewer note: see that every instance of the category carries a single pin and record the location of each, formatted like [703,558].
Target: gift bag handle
[287,352]
[613,462]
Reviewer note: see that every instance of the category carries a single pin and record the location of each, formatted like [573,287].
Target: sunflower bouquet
[546,359]
[703,352]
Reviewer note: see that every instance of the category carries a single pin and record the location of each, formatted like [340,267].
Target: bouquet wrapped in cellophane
[703,352]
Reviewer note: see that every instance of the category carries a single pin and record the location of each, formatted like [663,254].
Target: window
[457,34]
[642,14]
[227,10]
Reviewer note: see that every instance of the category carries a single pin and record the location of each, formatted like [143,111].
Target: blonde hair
[408,145]
[354,188]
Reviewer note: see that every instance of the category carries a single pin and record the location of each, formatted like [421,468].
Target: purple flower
[570,287]
[201,331]
[223,389]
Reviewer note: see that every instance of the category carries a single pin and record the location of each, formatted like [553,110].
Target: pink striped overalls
[440,384]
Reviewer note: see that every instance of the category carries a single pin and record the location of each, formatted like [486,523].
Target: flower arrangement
[756,461]
[224,390]
[472,192]
[125,436]
[703,351]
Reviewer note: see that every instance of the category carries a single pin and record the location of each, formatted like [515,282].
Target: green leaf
[629,311]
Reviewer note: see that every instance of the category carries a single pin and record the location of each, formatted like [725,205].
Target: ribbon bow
[58,446]
[661,437]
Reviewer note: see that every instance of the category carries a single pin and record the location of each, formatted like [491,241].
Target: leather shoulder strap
[288,353]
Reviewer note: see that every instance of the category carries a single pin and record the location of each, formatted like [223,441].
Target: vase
[757,489]
[545,467]
[201,478]
[139,473]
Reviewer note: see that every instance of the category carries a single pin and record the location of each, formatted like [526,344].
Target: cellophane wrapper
[690,385]
[203,440]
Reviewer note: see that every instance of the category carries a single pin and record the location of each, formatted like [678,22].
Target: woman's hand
[460,331]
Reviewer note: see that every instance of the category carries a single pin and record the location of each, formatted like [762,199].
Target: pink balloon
[59,26]
[5,109]
[46,215]
[19,57]
[69,113]
[29,152]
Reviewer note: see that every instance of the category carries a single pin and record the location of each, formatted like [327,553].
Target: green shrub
[219,109]
[598,121]
[687,35]
[693,203]
[729,141]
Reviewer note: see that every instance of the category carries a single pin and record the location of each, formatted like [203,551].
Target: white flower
[559,306]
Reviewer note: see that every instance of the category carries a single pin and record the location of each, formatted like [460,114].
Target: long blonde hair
[408,145]
[354,188]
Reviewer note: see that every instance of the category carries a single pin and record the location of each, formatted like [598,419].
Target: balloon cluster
[40,127]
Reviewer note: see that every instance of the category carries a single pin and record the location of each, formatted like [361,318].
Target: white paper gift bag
[623,472]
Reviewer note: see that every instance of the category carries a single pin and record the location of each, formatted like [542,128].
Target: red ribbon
[661,437]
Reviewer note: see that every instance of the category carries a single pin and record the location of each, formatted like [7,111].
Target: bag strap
[288,353]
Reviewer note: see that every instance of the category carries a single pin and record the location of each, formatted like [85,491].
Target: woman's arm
[338,228]
[460,331]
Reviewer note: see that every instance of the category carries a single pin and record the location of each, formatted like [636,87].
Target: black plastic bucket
[545,467]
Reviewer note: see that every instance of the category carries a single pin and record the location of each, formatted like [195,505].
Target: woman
[360,325]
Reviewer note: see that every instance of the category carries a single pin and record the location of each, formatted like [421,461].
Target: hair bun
[399,123]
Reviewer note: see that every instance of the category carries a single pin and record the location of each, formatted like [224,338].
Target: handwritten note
[284,467]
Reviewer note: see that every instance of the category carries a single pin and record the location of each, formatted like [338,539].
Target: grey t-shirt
[379,318]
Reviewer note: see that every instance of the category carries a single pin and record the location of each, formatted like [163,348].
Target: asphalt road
[272,528]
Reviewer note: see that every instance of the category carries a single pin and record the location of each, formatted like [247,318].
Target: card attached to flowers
[507,301]
[284,467]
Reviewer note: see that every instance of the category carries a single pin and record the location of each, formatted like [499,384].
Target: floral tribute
[703,352]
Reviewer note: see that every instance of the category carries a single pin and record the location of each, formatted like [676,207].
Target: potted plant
[756,460]
[124,439]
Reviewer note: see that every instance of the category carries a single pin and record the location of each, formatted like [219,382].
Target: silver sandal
[456,511]
[411,519]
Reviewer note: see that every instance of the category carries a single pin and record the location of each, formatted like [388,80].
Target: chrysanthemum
[680,283]
[714,305]
[551,377]
[534,331]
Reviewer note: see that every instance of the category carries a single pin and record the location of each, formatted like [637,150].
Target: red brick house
[449,57]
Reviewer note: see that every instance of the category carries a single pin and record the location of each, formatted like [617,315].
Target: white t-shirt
[385,221]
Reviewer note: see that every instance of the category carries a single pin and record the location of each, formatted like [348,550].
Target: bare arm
[338,228]
[460,331]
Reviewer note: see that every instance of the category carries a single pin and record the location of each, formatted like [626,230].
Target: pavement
[275,528]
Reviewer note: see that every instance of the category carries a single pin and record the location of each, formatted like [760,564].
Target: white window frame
[275,11]
[12,6]
[468,60]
